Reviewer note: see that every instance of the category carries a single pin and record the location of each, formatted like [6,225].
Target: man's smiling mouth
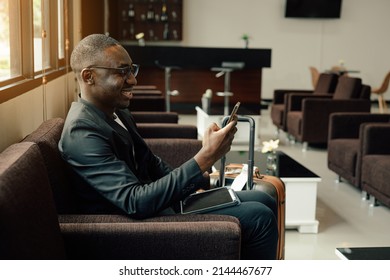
[127,92]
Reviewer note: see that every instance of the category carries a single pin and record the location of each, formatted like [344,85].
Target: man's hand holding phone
[217,141]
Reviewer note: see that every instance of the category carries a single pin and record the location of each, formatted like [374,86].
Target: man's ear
[86,76]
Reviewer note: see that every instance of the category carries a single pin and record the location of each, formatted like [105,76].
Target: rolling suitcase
[255,181]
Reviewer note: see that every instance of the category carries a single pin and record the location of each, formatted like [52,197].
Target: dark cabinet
[158,20]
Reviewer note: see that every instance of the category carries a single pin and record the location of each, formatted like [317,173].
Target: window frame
[28,79]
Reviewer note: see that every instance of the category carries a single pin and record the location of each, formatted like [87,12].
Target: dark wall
[92,17]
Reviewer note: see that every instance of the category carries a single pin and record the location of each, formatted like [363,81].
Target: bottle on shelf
[131,12]
[151,34]
[166,32]
[175,35]
[164,14]
[159,19]
[124,33]
[124,15]
[150,13]
[132,31]
[174,15]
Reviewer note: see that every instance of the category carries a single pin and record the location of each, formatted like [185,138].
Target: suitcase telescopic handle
[251,122]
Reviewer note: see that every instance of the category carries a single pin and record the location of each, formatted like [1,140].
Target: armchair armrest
[155,117]
[347,125]
[168,237]
[375,138]
[279,94]
[167,130]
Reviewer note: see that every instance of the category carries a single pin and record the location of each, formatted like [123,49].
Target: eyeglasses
[124,71]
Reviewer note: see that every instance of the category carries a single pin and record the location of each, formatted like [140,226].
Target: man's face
[112,85]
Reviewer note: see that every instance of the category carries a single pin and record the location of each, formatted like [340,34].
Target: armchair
[147,99]
[167,130]
[147,103]
[325,84]
[308,116]
[376,162]
[155,117]
[177,227]
[345,143]
[31,229]
[163,125]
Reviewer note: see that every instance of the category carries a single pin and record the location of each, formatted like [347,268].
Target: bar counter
[191,71]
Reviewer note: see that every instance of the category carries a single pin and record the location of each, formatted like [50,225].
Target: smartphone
[234,111]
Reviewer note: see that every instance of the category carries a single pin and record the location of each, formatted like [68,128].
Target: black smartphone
[234,111]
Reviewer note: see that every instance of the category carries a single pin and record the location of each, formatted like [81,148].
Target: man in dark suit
[115,171]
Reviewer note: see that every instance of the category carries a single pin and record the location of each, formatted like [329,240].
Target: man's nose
[131,80]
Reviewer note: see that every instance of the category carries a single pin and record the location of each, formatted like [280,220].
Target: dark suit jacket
[113,168]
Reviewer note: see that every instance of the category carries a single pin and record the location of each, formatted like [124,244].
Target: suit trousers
[257,214]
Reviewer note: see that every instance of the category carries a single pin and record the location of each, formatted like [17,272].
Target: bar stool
[168,91]
[226,69]
[226,91]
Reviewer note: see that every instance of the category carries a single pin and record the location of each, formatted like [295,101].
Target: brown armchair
[325,84]
[376,162]
[31,229]
[112,236]
[167,130]
[308,116]
[163,125]
[155,117]
[345,143]
[146,99]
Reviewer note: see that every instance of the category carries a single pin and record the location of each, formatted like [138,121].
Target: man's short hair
[89,50]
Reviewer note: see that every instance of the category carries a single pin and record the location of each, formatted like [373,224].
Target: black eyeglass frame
[124,71]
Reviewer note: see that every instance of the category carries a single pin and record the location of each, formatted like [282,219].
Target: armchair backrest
[28,218]
[47,136]
[365,93]
[155,117]
[184,149]
[167,130]
[348,88]
[326,83]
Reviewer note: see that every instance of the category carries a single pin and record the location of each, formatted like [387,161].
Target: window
[61,29]
[42,27]
[10,63]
